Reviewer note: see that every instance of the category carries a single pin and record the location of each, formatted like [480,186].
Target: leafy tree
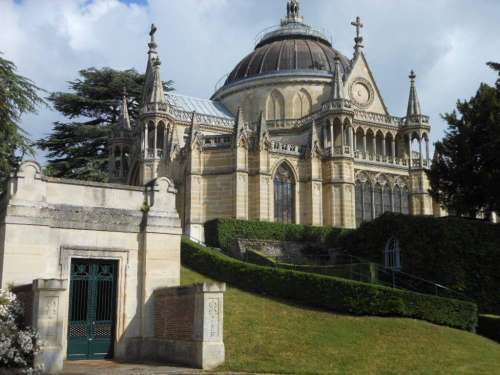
[465,176]
[18,96]
[78,148]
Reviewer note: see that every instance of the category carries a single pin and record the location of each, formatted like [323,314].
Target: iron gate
[92,309]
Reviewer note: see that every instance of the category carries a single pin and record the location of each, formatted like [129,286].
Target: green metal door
[92,309]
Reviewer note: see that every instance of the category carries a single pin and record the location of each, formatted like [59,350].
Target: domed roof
[292,47]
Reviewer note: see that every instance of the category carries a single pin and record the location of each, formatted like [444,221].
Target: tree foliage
[78,148]
[465,175]
[18,96]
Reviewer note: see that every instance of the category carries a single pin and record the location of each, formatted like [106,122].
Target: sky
[446,42]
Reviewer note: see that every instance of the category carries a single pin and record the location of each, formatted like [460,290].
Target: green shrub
[342,296]
[489,326]
[461,254]
[222,233]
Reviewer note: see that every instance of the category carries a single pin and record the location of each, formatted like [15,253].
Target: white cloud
[447,42]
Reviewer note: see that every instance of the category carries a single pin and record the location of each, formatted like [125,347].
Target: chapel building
[298,133]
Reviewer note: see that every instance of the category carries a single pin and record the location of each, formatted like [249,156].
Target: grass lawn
[269,336]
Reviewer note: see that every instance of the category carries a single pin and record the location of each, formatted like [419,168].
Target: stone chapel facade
[298,133]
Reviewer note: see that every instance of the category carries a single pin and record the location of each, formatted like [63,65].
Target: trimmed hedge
[489,326]
[366,272]
[340,295]
[461,254]
[222,233]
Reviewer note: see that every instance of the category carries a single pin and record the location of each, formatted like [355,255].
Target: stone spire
[359,38]
[195,129]
[238,124]
[153,89]
[338,83]
[413,102]
[154,93]
[124,118]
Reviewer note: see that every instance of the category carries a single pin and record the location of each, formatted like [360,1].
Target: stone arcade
[93,263]
[298,133]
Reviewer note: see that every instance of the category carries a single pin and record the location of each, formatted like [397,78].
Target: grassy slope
[265,335]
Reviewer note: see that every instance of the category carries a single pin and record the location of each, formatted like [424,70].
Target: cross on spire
[359,38]
[152,43]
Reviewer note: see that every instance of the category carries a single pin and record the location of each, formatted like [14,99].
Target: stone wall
[46,222]
[188,326]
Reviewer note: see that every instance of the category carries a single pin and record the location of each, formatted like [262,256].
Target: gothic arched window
[275,106]
[378,200]
[387,198]
[396,198]
[359,203]
[367,202]
[405,201]
[284,195]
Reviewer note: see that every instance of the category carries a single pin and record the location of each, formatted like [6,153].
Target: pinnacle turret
[153,88]
[413,102]
[338,83]
[124,118]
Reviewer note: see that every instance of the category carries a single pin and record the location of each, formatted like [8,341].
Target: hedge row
[222,233]
[339,295]
[489,326]
[460,253]
[366,272]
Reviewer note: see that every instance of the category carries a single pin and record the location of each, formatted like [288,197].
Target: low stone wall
[188,326]
[282,251]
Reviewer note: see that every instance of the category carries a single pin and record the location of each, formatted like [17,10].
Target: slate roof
[198,105]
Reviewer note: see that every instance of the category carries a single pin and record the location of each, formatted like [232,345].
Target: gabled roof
[198,105]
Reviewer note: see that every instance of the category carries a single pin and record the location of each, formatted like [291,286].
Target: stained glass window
[284,195]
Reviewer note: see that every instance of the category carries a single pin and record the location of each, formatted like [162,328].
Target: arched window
[396,197]
[387,198]
[275,106]
[392,255]
[284,195]
[301,104]
[367,202]
[359,203]
[378,200]
[405,201]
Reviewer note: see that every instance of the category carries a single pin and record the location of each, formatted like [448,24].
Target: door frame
[67,254]
[94,264]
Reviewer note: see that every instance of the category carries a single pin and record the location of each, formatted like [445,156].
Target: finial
[293,9]
[124,92]
[338,82]
[152,43]
[412,76]
[359,38]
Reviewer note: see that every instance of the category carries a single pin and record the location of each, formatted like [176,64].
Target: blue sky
[447,42]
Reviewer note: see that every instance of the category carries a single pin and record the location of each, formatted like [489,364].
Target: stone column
[332,140]
[155,146]
[421,154]
[342,137]
[354,141]
[146,139]
[49,317]
[364,144]
[384,148]
[427,151]
[374,144]
[393,148]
